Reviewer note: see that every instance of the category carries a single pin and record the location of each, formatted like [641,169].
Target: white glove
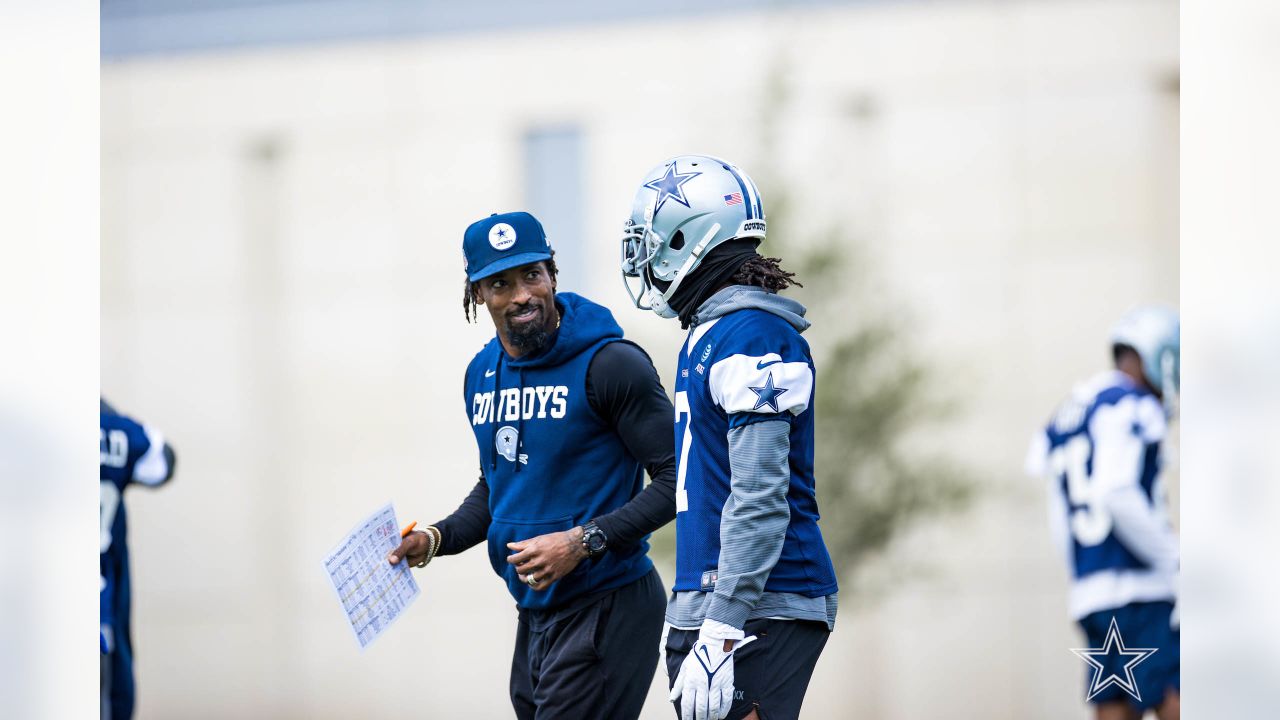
[704,684]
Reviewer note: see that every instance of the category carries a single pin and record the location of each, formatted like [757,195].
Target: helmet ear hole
[677,240]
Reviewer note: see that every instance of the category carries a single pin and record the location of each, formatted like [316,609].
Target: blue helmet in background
[1154,332]
[684,208]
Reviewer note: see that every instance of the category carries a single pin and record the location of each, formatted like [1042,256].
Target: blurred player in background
[755,593]
[129,453]
[567,415]
[1108,511]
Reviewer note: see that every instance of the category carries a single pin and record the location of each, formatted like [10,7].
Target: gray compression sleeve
[754,522]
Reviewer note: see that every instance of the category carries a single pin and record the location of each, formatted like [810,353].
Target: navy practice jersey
[745,367]
[1101,455]
[128,453]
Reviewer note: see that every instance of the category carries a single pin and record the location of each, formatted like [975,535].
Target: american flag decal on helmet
[733,199]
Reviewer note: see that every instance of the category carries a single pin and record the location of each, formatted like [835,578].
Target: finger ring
[532,580]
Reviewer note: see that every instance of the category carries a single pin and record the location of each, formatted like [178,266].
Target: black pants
[771,673]
[592,659]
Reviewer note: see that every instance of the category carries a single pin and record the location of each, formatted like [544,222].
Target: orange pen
[408,529]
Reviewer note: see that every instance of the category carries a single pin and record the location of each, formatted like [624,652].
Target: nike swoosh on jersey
[762,364]
[489,373]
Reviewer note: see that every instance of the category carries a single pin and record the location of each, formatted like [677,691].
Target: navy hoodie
[550,461]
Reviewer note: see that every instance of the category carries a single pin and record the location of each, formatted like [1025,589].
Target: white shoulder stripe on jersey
[761,384]
[152,468]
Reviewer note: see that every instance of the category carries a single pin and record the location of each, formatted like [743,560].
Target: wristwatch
[593,539]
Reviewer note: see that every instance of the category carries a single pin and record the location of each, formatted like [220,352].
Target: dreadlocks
[764,272]
[469,289]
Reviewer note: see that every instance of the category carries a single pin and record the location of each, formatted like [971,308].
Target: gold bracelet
[433,545]
[434,532]
[430,549]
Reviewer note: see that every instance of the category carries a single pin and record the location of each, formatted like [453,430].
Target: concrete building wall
[281,289]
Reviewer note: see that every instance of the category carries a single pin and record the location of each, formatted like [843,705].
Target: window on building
[554,191]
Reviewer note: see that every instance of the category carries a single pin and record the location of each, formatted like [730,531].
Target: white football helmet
[685,207]
[1154,332]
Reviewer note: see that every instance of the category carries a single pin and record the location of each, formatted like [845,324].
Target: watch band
[594,541]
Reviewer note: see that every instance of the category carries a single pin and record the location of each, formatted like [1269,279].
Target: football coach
[567,416]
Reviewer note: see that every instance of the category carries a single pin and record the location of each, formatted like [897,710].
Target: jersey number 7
[682,410]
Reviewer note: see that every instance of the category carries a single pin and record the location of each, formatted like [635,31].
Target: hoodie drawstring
[497,415]
[519,414]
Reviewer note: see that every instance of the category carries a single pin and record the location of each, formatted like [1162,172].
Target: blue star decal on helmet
[671,185]
[767,395]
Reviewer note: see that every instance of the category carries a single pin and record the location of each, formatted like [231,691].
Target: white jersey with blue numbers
[1108,508]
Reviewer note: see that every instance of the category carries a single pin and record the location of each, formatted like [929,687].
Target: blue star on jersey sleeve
[767,395]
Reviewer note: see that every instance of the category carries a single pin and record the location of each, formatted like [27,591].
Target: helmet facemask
[648,257]
[639,247]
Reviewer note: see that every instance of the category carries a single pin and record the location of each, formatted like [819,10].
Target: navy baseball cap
[501,242]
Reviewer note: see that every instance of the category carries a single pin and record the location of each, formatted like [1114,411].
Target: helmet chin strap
[658,304]
[658,301]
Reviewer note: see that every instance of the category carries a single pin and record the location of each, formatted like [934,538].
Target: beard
[529,338]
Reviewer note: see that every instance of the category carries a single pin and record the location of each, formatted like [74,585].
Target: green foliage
[875,400]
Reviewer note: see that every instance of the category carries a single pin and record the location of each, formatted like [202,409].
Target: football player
[754,599]
[1108,511]
[129,453]
[566,416]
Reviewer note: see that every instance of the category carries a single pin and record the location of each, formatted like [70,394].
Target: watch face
[595,542]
